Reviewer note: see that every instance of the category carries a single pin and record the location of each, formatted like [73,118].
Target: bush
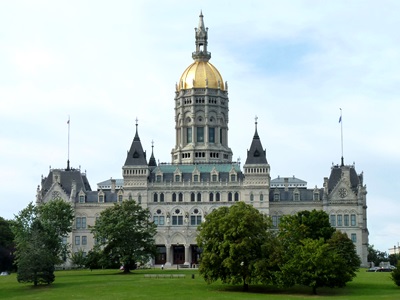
[396,275]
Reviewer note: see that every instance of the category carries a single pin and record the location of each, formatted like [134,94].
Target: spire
[136,156]
[201,37]
[256,154]
[152,161]
[136,134]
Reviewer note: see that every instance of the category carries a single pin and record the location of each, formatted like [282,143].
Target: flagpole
[68,142]
[341,134]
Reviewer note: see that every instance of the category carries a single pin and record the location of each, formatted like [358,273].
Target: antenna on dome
[341,135]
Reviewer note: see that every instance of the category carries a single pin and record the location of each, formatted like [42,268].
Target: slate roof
[305,194]
[336,174]
[66,178]
[187,170]
[136,156]
[256,154]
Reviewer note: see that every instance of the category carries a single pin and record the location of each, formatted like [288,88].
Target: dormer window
[101,198]
[233,177]
[196,178]
[277,196]
[296,196]
[177,178]
[316,197]
[81,198]
[214,177]
[158,178]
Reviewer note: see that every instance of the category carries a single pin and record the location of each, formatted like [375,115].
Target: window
[81,198]
[180,197]
[214,177]
[233,177]
[78,222]
[83,222]
[195,220]
[189,134]
[296,197]
[211,135]
[64,240]
[236,196]
[192,196]
[217,197]
[211,197]
[162,197]
[161,220]
[174,197]
[196,178]
[140,198]
[120,198]
[155,197]
[353,220]
[101,198]
[77,240]
[276,197]
[200,134]
[354,237]
[251,197]
[220,135]
[177,220]
[333,220]
[198,197]
[316,197]
[339,220]
[261,197]
[84,240]
[229,196]
[158,178]
[346,220]
[155,220]
[177,178]
[275,221]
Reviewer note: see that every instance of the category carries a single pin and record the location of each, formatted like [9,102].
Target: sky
[293,64]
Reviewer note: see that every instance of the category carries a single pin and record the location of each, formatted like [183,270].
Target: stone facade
[202,177]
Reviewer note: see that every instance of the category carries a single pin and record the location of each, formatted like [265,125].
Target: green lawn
[110,284]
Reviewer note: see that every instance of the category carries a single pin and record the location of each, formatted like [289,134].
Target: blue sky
[291,63]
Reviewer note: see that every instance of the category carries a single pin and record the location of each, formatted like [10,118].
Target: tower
[201,109]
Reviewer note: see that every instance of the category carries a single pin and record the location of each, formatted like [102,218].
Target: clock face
[342,192]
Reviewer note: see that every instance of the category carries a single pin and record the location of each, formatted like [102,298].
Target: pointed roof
[136,156]
[152,161]
[256,154]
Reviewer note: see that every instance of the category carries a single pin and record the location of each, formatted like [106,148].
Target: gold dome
[201,74]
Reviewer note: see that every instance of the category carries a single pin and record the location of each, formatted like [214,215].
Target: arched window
[198,197]
[180,197]
[217,197]
[192,197]
[155,197]
[162,197]
[236,196]
[173,197]
[211,197]
[229,196]
[251,197]
[261,197]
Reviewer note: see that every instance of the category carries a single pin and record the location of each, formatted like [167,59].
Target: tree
[315,254]
[231,240]
[395,276]
[376,256]
[6,245]
[305,224]
[78,258]
[38,234]
[126,234]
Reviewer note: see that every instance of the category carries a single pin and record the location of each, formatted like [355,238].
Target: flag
[340,119]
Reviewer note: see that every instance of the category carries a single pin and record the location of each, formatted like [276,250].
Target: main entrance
[179,255]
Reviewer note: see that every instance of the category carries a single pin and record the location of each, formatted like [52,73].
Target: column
[187,254]
[168,255]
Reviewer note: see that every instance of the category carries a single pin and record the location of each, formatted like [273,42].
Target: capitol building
[202,177]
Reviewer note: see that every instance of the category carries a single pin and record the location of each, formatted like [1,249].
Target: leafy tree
[305,224]
[6,245]
[394,259]
[38,234]
[315,254]
[376,256]
[395,276]
[78,258]
[126,234]
[232,240]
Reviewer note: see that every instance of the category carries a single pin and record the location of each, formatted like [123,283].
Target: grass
[111,284]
